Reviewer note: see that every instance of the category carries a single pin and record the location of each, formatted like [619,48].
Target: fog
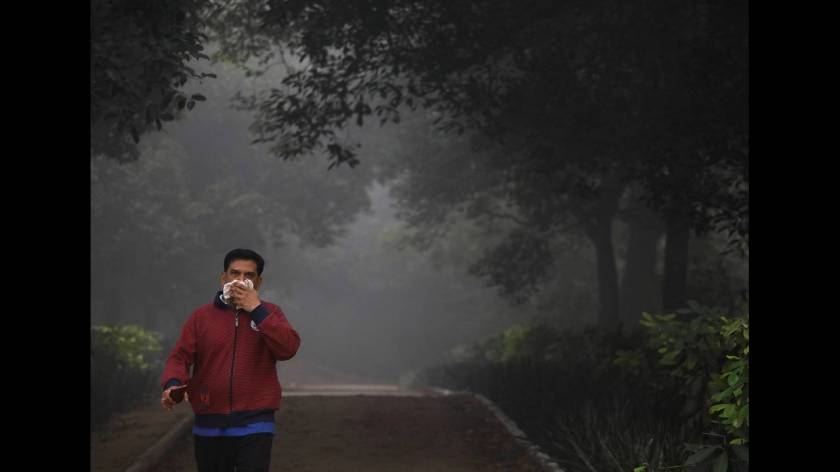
[544,203]
[375,292]
[368,306]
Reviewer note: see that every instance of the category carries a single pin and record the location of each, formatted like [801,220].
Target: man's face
[241,270]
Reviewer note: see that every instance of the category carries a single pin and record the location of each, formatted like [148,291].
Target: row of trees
[583,111]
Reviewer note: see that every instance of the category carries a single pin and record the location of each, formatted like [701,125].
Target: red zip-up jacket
[233,355]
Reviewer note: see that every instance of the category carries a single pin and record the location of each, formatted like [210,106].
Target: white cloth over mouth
[226,288]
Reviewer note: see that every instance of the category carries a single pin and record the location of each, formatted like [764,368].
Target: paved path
[373,428]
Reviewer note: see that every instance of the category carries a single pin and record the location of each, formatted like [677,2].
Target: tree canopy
[582,99]
[576,103]
[139,60]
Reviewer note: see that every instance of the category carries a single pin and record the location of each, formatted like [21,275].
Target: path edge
[535,453]
[155,453]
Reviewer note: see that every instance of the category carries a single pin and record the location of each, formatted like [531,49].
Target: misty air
[410,235]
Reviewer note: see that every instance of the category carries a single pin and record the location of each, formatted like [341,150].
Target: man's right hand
[173,395]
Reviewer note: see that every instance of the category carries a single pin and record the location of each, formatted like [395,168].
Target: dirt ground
[453,433]
[128,435]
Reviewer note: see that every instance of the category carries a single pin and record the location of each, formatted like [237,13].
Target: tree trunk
[599,228]
[676,264]
[639,288]
[608,314]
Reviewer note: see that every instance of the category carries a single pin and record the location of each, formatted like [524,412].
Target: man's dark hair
[247,255]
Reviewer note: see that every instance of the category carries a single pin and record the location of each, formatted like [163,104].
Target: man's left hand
[247,298]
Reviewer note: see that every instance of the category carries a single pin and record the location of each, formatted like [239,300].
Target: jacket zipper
[233,357]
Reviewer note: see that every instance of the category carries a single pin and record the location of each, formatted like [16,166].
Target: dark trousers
[251,453]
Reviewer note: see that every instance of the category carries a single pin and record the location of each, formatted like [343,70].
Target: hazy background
[368,304]
[545,202]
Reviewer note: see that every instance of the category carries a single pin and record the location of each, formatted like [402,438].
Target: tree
[140,55]
[589,96]
[585,98]
[640,290]
[159,224]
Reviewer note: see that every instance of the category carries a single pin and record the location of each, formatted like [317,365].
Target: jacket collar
[220,302]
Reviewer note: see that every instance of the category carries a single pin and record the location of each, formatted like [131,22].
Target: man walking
[232,345]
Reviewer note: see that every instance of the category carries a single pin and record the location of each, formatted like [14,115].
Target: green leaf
[167,117]
[190,104]
[671,356]
[743,414]
[134,135]
[722,395]
[199,97]
[717,407]
[729,411]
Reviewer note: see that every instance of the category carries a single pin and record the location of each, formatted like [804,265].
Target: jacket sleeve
[176,371]
[282,340]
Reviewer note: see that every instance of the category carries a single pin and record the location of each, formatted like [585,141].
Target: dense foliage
[140,64]
[606,401]
[125,362]
[708,353]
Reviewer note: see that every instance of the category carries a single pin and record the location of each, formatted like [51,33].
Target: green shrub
[565,391]
[675,392]
[708,353]
[125,361]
